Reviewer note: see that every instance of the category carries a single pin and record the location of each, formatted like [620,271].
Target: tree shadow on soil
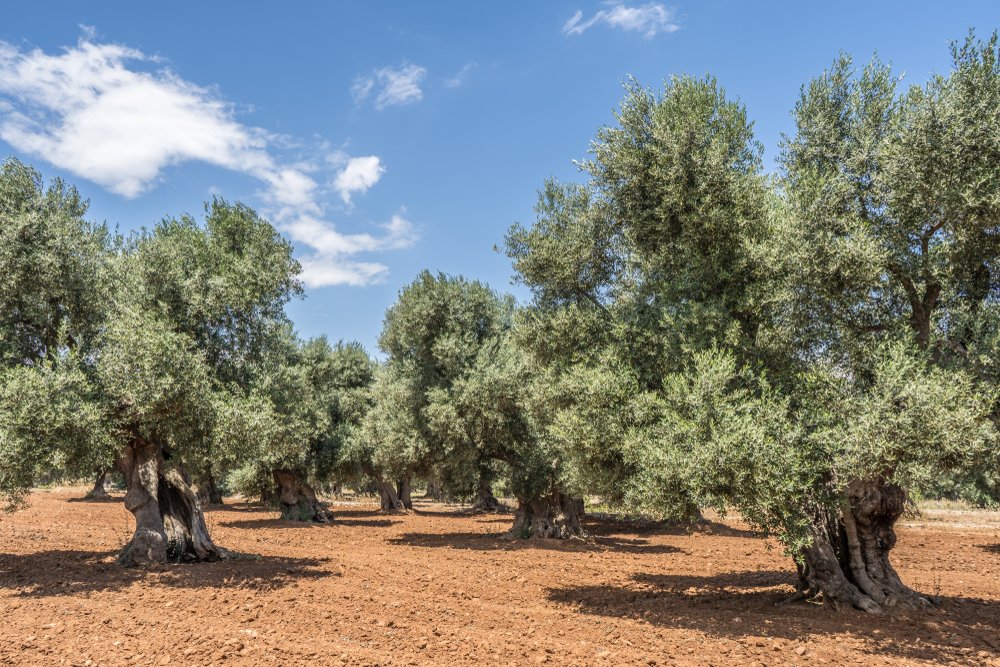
[278,523]
[742,605]
[64,573]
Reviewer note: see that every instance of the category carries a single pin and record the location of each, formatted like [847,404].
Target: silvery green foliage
[438,337]
[709,336]
[108,341]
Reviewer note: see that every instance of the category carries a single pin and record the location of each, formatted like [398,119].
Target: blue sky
[388,138]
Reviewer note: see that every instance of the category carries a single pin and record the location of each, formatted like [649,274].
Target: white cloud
[322,268]
[358,175]
[461,76]
[100,111]
[396,87]
[649,19]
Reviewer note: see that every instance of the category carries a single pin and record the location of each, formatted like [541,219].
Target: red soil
[437,587]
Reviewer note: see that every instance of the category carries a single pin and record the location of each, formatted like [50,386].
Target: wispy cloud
[461,76]
[107,113]
[649,19]
[396,86]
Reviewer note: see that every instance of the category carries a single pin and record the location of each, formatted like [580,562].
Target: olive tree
[133,352]
[798,351]
[431,336]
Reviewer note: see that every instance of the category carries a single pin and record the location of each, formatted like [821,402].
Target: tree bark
[298,499]
[390,499]
[169,523]
[555,515]
[208,492]
[404,492]
[434,490]
[99,492]
[848,561]
[485,500]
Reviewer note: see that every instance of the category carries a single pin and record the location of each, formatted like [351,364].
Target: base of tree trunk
[555,515]
[389,498]
[435,491]
[487,503]
[170,525]
[404,492]
[848,561]
[208,492]
[298,499]
[99,493]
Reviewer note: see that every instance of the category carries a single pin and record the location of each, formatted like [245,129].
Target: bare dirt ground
[437,587]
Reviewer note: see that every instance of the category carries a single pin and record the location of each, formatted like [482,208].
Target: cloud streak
[110,114]
[649,19]
[396,86]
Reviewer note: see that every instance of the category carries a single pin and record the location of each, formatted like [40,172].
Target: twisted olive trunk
[169,523]
[298,499]
[99,492]
[848,561]
[208,491]
[485,500]
[555,515]
[404,492]
[389,497]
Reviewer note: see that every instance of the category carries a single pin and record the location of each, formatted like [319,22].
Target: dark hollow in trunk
[99,492]
[389,497]
[169,523]
[848,562]
[208,492]
[298,499]
[555,515]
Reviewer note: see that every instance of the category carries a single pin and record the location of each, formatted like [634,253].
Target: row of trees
[808,347]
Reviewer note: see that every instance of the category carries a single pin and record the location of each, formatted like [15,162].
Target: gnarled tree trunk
[485,500]
[434,490]
[169,524]
[389,497]
[99,492]
[555,515]
[208,492]
[298,500]
[404,492]
[848,561]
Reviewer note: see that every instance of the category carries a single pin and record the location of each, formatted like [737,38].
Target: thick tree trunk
[555,515]
[390,499]
[848,562]
[485,500]
[208,492]
[298,500]
[169,524]
[99,492]
[434,490]
[404,492]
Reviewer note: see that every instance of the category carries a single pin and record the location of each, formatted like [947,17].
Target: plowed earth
[438,587]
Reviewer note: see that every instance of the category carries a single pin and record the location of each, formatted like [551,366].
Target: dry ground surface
[438,587]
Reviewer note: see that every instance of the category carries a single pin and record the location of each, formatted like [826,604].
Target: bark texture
[848,562]
[555,515]
[99,492]
[435,491]
[298,499]
[169,523]
[404,492]
[485,500]
[389,497]
[208,491]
